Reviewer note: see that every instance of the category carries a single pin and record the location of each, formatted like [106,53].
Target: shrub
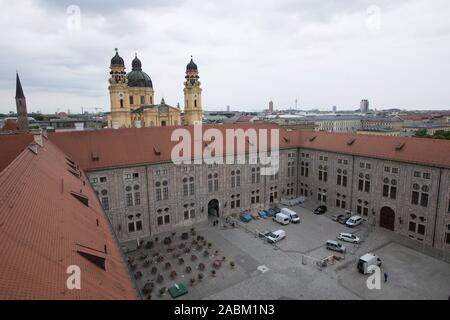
[160,279]
[173,274]
[184,236]
[154,270]
[193,281]
[232,264]
[213,272]
[201,266]
[180,261]
[188,269]
[209,244]
[200,276]
[168,265]
[167,240]
[162,291]
[194,257]
[206,253]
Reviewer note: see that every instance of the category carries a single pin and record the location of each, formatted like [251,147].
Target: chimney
[21,104]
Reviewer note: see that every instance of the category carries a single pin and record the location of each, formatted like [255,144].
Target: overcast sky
[322,52]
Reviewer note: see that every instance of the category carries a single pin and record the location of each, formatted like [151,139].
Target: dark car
[343,219]
[320,210]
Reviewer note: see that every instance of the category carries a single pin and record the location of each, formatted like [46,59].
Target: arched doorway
[387,218]
[213,208]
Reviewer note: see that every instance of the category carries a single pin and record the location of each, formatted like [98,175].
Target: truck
[367,260]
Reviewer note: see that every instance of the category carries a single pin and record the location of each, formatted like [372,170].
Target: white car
[276,236]
[354,221]
[348,237]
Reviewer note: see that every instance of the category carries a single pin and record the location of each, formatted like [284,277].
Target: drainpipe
[437,206]
[148,199]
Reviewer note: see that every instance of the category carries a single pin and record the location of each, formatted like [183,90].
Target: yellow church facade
[132,98]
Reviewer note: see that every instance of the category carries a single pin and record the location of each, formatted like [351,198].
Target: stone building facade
[400,184]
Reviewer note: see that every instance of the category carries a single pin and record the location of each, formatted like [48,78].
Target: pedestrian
[385,277]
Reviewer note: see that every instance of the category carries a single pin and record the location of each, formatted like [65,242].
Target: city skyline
[281,51]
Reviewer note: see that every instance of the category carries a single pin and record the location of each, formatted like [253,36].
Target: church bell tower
[118,91]
[193,113]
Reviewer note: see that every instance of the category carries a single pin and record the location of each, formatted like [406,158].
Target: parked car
[320,210]
[273,211]
[343,219]
[366,261]
[245,217]
[348,237]
[276,236]
[293,216]
[354,221]
[335,246]
[281,218]
[336,217]
[263,214]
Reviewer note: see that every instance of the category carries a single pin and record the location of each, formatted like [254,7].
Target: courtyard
[240,265]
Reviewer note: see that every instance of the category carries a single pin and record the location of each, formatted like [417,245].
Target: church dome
[117,60]
[137,77]
[191,66]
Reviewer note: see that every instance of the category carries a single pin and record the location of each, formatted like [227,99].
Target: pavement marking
[263,269]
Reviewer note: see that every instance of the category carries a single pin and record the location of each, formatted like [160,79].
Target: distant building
[380,131]
[271,106]
[21,104]
[364,106]
[228,109]
[334,108]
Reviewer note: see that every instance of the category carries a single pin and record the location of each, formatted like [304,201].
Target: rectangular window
[210,186]
[344,181]
[421,229]
[186,215]
[129,199]
[385,190]
[192,214]
[135,175]
[158,194]
[216,185]
[360,185]
[137,198]
[191,189]
[166,193]
[415,197]
[138,225]
[358,209]
[94,180]
[426,175]
[367,186]
[393,192]
[417,174]
[131,227]
[412,226]
[131,100]
[366,212]
[395,170]
[105,203]
[185,190]
[160,221]
[424,200]
[142,99]
[167,219]
[127,176]
[103,179]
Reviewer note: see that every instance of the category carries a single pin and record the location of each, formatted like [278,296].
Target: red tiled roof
[124,147]
[42,226]
[11,145]
[10,125]
[432,152]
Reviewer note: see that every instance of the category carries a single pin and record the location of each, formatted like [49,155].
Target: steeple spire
[19,90]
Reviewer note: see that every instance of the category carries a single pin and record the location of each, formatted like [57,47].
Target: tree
[422,133]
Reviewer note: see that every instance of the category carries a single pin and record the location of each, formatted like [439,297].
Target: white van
[354,221]
[276,236]
[281,218]
[291,214]
[366,261]
[348,237]
[335,246]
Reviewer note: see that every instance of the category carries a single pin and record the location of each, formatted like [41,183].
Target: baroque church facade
[133,100]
